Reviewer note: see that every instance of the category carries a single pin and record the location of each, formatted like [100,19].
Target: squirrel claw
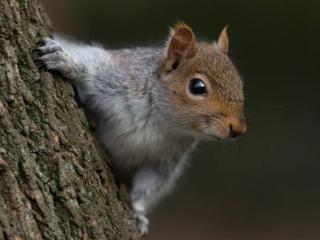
[142,223]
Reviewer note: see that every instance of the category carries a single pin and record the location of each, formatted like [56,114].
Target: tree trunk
[55,182]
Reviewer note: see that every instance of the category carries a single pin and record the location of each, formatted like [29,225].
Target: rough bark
[54,179]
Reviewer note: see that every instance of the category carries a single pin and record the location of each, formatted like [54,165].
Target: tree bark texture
[55,182]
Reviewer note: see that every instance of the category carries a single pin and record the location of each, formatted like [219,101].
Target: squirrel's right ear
[181,45]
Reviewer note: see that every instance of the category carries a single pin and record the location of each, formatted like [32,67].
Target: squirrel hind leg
[138,202]
[146,190]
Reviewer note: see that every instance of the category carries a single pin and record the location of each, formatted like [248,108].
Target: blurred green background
[266,185]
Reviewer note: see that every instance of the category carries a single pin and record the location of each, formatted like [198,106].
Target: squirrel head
[205,89]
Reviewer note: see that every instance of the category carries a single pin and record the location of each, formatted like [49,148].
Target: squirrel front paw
[53,58]
[142,223]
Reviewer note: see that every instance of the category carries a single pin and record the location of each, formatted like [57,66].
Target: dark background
[266,185]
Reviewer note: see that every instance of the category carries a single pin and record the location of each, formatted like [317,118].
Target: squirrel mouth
[211,137]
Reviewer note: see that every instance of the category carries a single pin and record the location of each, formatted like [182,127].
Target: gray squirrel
[152,105]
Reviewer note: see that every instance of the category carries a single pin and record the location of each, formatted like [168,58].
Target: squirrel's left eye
[197,86]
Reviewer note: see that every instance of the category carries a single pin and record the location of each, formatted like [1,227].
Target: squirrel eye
[197,86]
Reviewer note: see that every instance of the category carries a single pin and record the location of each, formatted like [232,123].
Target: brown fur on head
[205,89]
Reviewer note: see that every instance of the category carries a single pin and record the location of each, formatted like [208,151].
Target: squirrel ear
[182,44]
[223,41]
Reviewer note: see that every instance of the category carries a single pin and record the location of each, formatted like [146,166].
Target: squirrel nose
[237,127]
